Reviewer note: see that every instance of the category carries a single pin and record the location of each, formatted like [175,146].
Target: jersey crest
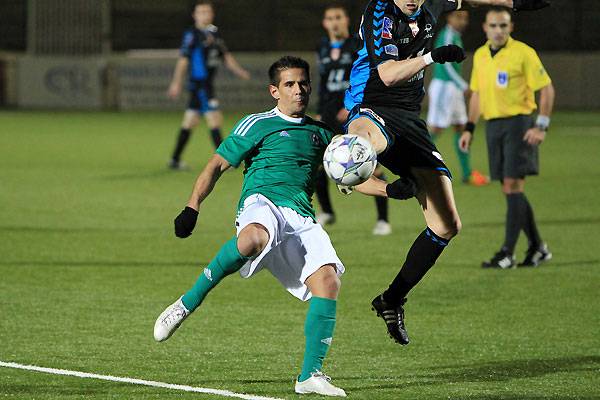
[388,26]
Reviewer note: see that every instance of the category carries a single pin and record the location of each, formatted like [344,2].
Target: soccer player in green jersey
[447,92]
[276,229]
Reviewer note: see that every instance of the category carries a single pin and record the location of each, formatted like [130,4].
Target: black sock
[322,191]
[382,204]
[182,139]
[215,133]
[516,209]
[420,258]
[530,227]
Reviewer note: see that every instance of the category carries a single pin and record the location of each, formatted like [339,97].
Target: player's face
[458,20]
[336,22]
[409,7]
[293,92]
[498,27]
[203,15]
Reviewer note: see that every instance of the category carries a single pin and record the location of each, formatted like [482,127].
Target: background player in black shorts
[385,94]
[335,55]
[202,51]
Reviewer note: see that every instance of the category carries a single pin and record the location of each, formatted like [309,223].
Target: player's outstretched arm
[400,189]
[235,67]
[396,72]
[186,220]
[517,5]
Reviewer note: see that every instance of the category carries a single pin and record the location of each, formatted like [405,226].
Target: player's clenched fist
[185,222]
[450,53]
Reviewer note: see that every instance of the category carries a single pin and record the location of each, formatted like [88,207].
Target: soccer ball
[349,160]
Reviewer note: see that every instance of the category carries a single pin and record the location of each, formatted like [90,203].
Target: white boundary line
[134,381]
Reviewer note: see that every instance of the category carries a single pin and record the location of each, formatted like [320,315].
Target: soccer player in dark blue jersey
[335,54]
[202,51]
[384,99]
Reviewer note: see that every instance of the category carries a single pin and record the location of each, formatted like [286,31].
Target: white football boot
[382,228]
[170,319]
[318,383]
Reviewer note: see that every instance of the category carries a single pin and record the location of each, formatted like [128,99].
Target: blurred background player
[202,51]
[447,92]
[335,55]
[506,74]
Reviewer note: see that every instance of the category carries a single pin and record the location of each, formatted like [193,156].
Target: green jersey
[449,72]
[281,156]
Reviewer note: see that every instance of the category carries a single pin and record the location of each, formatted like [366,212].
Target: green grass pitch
[89,259]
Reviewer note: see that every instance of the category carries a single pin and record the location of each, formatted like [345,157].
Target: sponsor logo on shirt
[414,28]
[284,133]
[388,26]
[391,50]
[502,79]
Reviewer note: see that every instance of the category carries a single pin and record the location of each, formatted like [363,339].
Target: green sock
[318,329]
[463,158]
[227,261]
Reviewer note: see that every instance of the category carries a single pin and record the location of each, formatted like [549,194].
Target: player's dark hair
[337,6]
[286,62]
[204,3]
[499,9]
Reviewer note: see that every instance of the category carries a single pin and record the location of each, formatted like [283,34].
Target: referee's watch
[542,122]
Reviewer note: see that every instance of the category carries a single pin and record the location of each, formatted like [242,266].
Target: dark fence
[294,25]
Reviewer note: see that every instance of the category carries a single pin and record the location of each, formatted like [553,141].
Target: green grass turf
[88,260]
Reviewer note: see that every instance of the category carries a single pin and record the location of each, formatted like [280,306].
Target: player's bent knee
[252,240]
[324,282]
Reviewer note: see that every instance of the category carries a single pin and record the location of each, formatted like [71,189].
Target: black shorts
[202,97]
[409,142]
[508,154]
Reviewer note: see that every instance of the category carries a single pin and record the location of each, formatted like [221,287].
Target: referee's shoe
[393,316]
[536,255]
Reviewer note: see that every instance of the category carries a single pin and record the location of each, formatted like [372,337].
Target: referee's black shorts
[508,154]
[409,142]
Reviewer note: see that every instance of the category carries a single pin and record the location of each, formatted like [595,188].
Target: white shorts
[297,246]
[446,105]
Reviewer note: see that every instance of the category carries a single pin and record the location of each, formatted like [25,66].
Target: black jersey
[335,63]
[387,34]
[204,49]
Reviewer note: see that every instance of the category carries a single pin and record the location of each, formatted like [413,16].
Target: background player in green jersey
[276,229]
[447,92]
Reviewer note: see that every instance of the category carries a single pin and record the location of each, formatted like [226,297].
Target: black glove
[450,53]
[185,222]
[528,5]
[401,189]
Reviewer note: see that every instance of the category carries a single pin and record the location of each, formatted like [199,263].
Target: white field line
[134,381]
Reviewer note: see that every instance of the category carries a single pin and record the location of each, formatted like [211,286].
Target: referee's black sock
[516,210]
[322,191]
[382,204]
[420,258]
[530,227]
[215,134]
[182,139]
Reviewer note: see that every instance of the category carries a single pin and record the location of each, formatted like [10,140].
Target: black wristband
[470,127]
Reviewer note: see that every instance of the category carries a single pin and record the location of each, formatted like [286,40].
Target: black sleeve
[376,31]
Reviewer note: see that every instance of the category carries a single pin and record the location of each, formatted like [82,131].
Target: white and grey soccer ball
[349,160]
